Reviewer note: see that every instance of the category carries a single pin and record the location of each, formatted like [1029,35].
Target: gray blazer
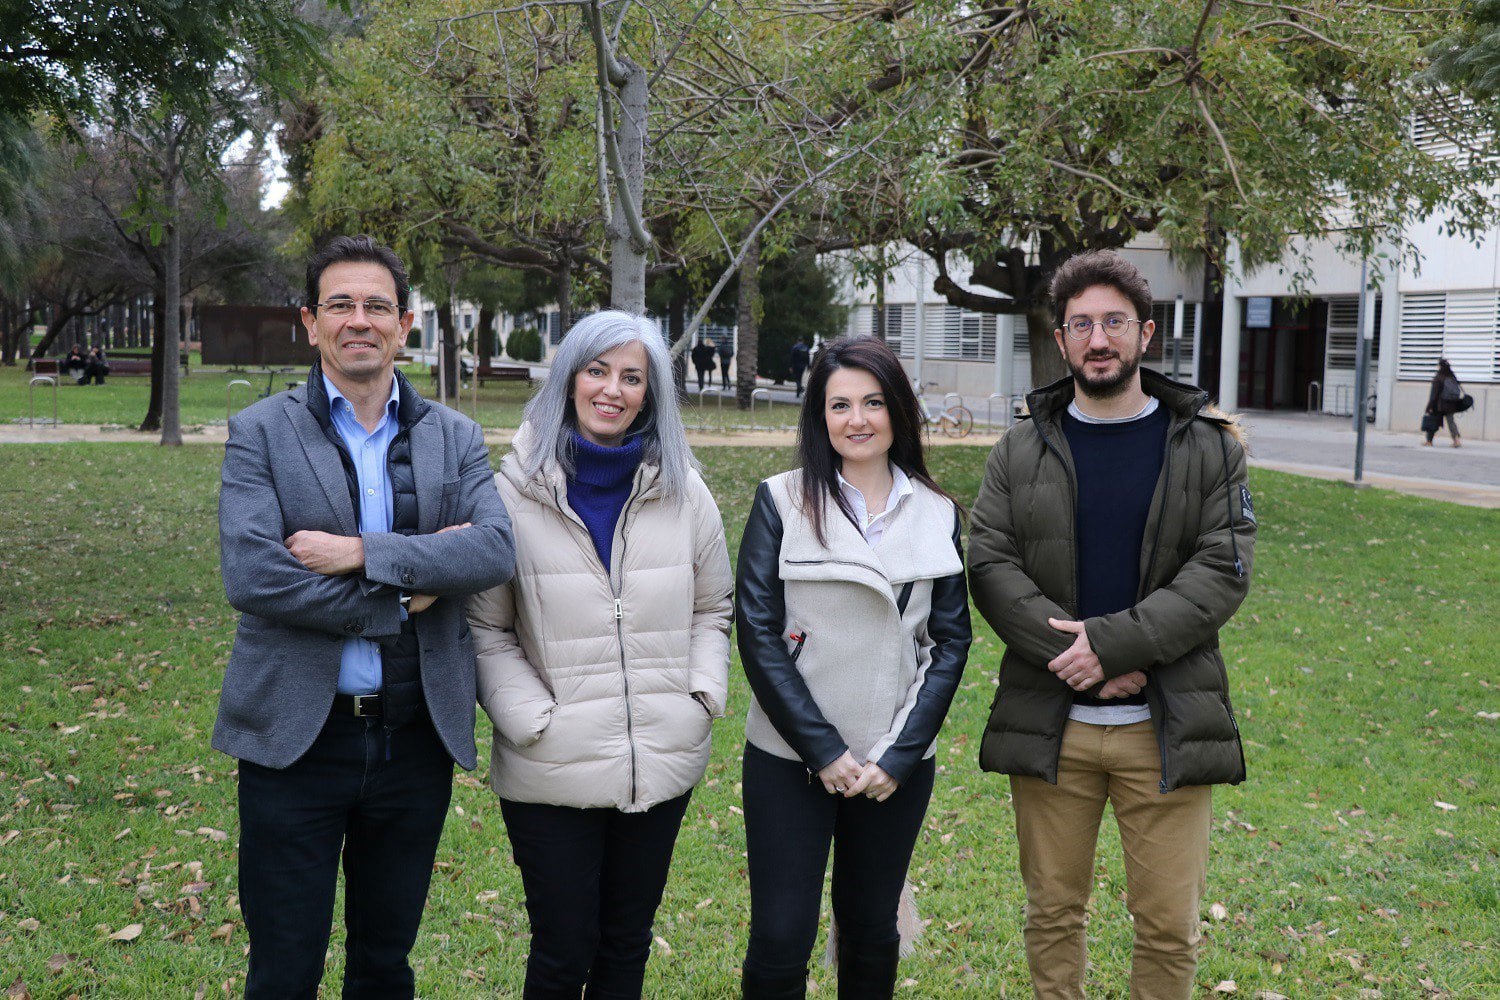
[282,474]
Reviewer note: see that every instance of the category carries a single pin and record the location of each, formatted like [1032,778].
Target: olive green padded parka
[1195,571]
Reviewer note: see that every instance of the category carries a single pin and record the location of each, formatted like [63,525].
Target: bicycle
[955,421]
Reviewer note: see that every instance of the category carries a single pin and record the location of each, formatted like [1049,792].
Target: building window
[1463,327]
[1158,354]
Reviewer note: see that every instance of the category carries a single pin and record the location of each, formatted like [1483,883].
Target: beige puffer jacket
[602,687]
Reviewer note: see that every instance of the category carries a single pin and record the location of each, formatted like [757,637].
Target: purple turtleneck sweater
[600,486]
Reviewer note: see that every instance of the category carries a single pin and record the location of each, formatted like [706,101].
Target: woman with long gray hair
[606,658]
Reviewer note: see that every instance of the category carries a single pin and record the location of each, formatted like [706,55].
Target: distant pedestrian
[726,355]
[75,363]
[703,362]
[1443,401]
[95,367]
[798,362]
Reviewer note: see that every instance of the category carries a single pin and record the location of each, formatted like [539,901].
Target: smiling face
[357,350]
[1104,366]
[859,423]
[608,393]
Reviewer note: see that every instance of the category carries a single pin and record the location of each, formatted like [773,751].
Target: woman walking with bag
[854,630]
[1445,400]
[604,661]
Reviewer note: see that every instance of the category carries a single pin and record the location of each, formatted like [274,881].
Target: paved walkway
[1305,444]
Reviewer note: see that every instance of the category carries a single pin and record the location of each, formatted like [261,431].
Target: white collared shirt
[874,527]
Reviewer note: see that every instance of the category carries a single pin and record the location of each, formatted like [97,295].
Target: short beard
[1110,386]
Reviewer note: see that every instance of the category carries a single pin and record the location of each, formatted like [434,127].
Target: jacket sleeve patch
[1247,506]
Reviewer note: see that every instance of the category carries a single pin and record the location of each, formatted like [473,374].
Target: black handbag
[1431,422]
[1465,403]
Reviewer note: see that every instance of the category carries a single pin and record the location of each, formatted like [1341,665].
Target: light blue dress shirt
[360,670]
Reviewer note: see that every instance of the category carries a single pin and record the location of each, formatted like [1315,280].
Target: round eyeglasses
[1082,328]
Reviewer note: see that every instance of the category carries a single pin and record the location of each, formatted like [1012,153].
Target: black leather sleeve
[760,617]
[948,625]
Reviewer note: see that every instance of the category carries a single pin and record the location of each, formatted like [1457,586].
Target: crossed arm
[325,582]
[1114,650]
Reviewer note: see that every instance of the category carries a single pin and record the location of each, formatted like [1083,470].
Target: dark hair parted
[820,463]
[1444,372]
[1099,267]
[356,250]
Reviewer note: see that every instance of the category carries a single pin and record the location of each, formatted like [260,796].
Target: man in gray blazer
[354,517]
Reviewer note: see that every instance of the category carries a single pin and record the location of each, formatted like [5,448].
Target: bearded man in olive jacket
[1110,542]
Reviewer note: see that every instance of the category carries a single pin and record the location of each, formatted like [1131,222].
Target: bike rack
[31,399]
[1314,388]
[761,394]
[717,395]
[989,408]
[230,388]
[949,397]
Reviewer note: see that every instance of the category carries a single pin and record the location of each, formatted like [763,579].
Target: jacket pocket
[796,639]
[448,503]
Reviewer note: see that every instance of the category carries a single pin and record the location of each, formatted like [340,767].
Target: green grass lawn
[207,394]
[1358,861]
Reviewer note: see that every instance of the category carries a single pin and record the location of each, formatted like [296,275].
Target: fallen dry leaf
[59,962]
[1444,806]
[18,990]
[29,924]
[1226,986]
[1218,911]
[128,933]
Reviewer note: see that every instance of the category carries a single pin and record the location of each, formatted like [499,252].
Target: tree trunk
[447,352]
[9,324]
[484,339]
[152,422]
[627,255]
[58,321]
[676,328]
[747,354]
[171,416]
[563,283]
[879,325]
[1047,364]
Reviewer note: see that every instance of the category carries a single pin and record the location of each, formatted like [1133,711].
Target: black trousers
[343,800]
[790,823]
[593,879]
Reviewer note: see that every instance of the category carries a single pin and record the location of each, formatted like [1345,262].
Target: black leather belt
[358,704]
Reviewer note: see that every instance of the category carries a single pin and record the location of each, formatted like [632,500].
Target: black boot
[755,986]
[868,972]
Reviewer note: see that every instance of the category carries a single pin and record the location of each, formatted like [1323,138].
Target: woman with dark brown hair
[853,624]
[1443,401]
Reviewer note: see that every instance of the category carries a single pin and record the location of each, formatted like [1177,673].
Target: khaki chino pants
[1165,841]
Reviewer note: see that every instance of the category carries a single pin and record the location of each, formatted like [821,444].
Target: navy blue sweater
[1117,466]
[600,486]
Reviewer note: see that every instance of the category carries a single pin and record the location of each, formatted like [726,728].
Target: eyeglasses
[344,308]
[1082,328]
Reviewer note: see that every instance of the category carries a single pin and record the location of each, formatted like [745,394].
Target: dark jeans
[704,374]
[724,371]
[790,822]
[593,878]
[343,798]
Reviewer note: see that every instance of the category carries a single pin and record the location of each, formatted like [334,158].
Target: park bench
[493,373]
[120,363]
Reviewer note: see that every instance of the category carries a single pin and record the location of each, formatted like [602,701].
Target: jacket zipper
[1166,475]
[617,585]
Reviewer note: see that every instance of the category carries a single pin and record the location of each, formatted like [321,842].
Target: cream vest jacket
[601,686]
[863,662]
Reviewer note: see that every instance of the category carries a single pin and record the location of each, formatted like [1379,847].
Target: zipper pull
[618,613]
